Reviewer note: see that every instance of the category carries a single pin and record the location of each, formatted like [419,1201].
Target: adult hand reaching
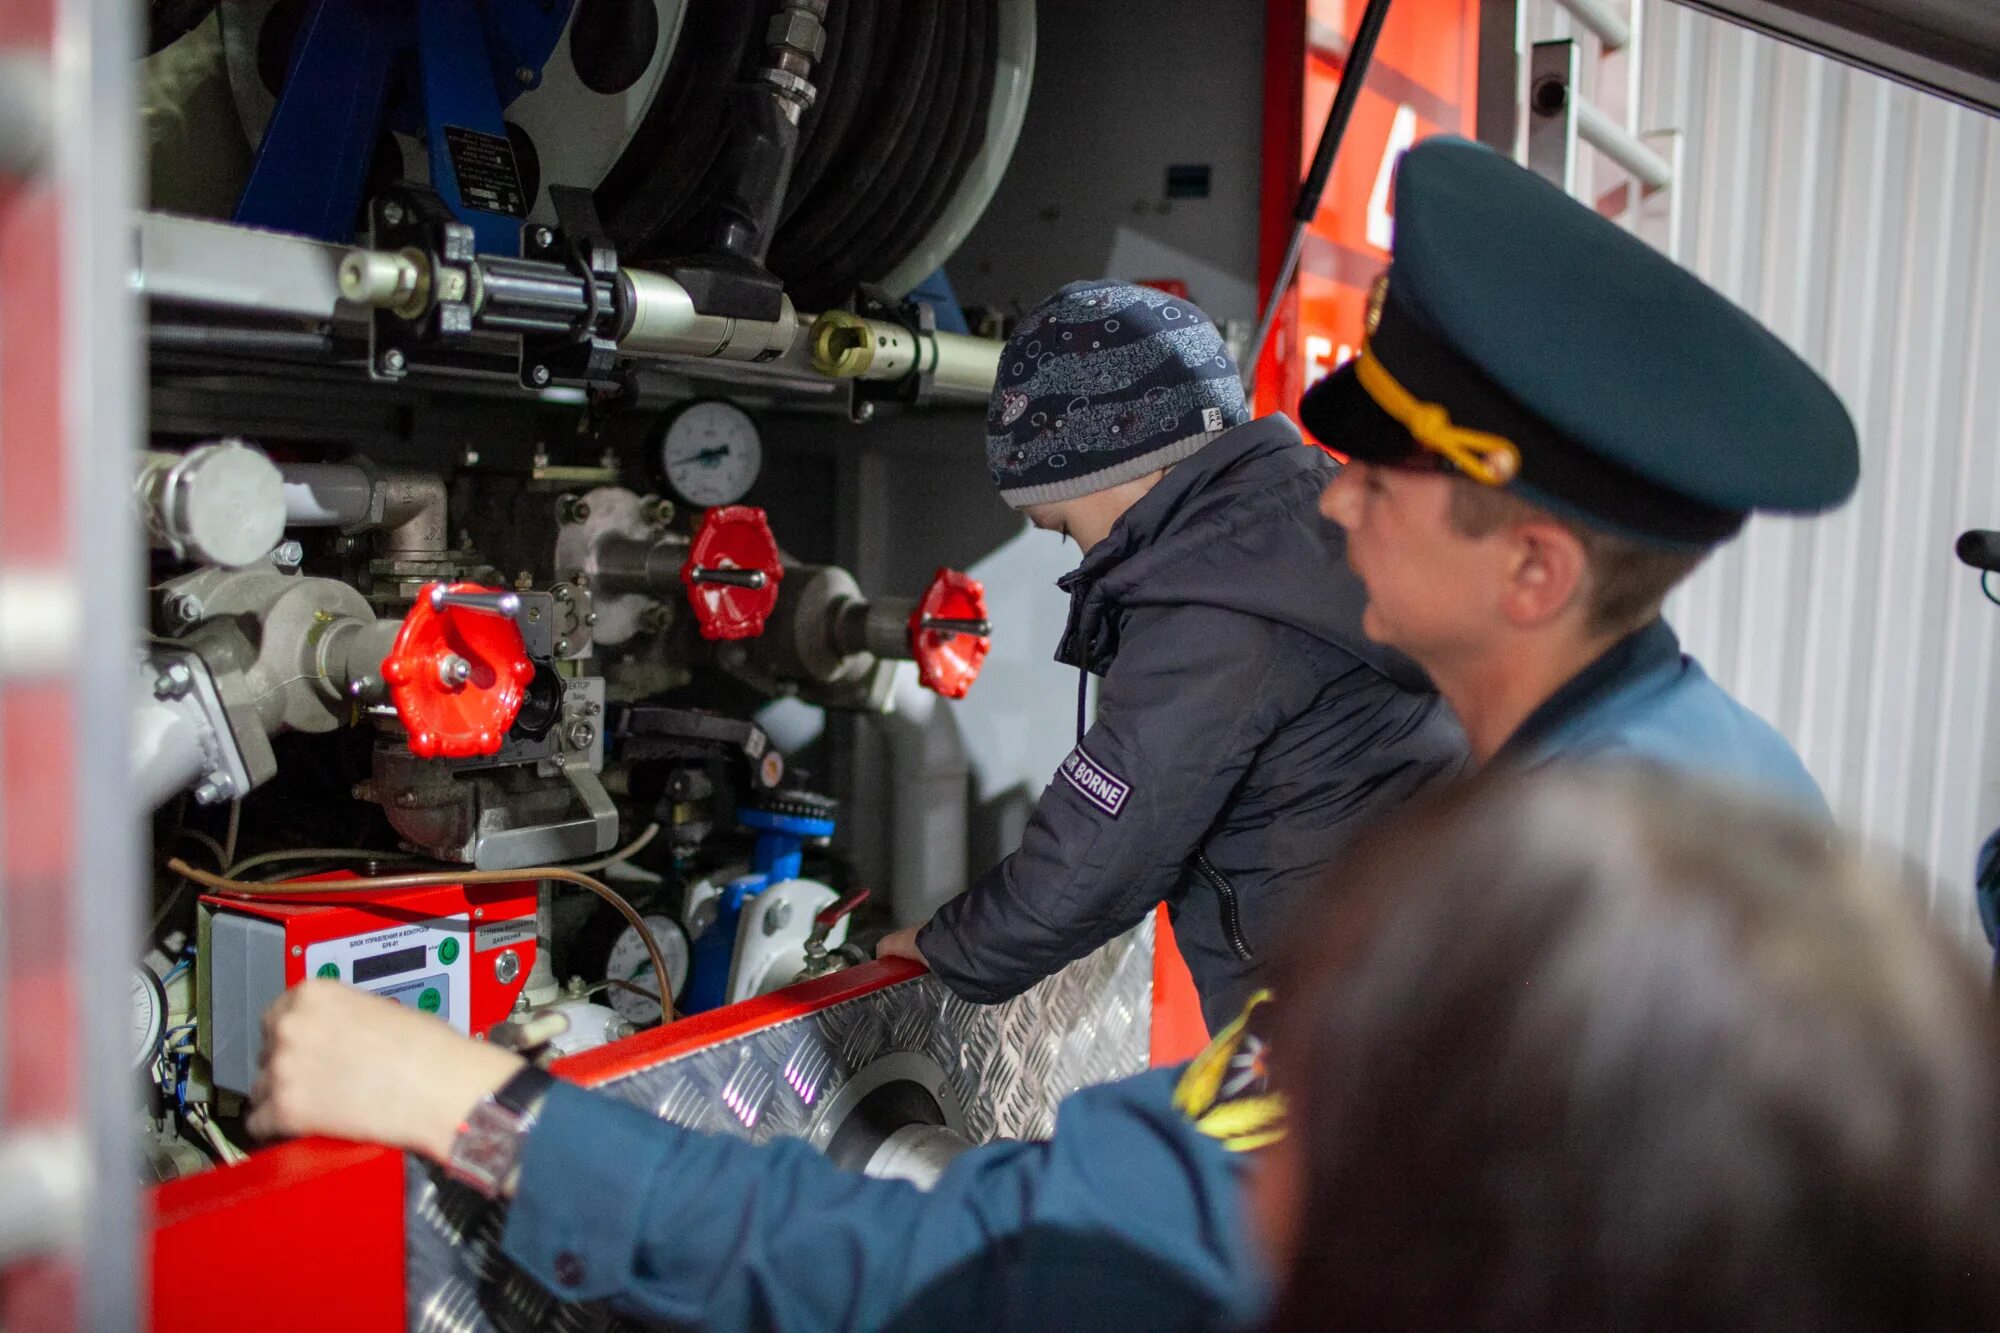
[340,1061]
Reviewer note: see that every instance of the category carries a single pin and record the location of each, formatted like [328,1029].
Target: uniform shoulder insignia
[1226,1090]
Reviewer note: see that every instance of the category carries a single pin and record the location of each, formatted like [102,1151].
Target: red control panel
[462,953]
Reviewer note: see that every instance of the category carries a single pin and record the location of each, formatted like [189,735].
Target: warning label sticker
[487,176]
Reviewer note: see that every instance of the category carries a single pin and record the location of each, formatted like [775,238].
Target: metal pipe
[1613,29]
[414,513]
[1613,140]
[349,655]
[527,296]
[632,565]
[220,503]
[1352,75]
[326,495]
[167,753]
[844,345]
[407,506]
[880,627]
[660,320]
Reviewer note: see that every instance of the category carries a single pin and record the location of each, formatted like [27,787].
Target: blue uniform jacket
[1129,1217]
[1646,700]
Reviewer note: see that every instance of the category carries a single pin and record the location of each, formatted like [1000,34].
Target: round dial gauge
[628,962]
[711,453]
[149,1016]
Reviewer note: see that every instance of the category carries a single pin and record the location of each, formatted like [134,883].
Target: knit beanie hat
[1102,383]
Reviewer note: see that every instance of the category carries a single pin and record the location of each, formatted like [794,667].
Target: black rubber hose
[894,112]
[658,181]
[965,135]
[825,74]
[840,96]
[921,151]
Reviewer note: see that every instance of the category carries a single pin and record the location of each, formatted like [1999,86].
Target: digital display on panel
[389,964]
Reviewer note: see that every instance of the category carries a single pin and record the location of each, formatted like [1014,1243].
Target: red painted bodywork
[38,986]
[304,1237]
[1424,81]
[309,1235]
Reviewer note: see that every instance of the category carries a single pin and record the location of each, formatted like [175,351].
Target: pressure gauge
[149,1016]
[710,453]
[628,962]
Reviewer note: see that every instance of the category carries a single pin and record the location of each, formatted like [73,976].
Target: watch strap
[486,1152]
[522,1094]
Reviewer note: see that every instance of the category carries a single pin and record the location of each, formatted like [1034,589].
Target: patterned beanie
[1102,383]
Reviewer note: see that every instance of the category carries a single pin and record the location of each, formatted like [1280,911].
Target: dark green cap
[1528,342]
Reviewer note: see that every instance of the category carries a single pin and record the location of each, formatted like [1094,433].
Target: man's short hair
[1628,579]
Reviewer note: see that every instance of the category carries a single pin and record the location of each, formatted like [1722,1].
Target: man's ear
[1548,573]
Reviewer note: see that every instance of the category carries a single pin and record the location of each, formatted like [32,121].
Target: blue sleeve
[1128,1202]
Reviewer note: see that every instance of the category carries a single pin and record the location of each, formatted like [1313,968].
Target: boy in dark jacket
[1245,726]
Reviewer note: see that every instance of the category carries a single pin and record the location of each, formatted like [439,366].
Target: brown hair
[1628,579]
[1611,1050]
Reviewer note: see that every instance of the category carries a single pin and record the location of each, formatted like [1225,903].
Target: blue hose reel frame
[444,68]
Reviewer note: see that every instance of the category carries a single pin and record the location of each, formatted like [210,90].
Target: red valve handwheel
[948,659]
[446,717]
[732,543]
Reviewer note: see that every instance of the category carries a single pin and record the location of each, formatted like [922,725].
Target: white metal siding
[1861,221]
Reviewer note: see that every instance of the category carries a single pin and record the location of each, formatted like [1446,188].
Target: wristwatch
[486,1153]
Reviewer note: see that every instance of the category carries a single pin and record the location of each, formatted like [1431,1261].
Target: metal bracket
[579,242]
[1552,71]
[594,830]
[416,219]
[183,684]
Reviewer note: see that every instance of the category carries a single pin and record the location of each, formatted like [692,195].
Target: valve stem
[754,579]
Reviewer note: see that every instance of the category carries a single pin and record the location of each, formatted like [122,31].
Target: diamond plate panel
[1006,1067]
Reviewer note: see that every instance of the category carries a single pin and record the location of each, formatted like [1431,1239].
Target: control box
[461,953]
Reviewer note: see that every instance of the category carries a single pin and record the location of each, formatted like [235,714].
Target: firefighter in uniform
[1550,426]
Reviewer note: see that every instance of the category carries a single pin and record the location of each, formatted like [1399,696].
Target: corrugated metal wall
[1860,221]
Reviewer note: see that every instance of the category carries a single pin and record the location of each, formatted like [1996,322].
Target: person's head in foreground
[1551,425]
[1605,1049]
[1100,389]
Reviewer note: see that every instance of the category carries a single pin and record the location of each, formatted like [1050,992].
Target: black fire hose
[1353,74]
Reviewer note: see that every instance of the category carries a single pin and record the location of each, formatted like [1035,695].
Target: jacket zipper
[1225,893]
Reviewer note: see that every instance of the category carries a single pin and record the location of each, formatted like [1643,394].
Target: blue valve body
[777,856]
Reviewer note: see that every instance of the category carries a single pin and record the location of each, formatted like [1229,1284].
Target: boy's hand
[902,944]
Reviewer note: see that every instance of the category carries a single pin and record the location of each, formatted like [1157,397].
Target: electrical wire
[235,827]
[236,871]
[196,835]
[1985,575]
[437,879]
[198,1116]
[174,897]
[625,853]
[314,854]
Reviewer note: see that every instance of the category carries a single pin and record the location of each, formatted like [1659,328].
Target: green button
[330,970]
[448,951]
[430,1000]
